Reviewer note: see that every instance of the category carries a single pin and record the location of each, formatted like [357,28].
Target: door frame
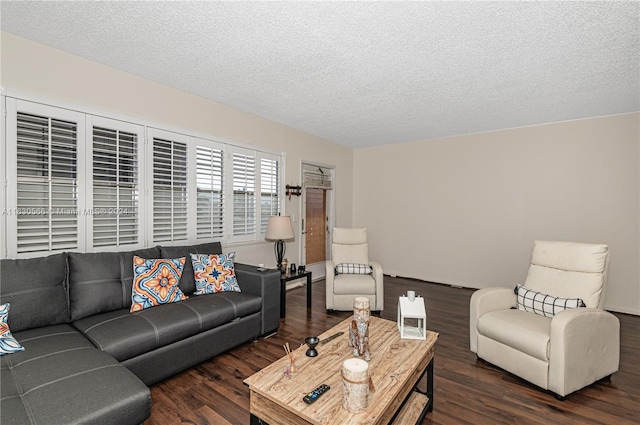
[318,269]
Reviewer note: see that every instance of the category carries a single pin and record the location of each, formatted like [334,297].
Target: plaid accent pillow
[351,268]
[542,304]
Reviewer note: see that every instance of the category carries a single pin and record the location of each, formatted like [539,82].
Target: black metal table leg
[309,290]
[284,278]
[254,420]
[430,386]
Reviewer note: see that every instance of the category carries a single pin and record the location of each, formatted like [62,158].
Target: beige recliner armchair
[530,334]
[356,276]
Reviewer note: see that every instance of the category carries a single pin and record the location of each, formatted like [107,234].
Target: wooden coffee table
[397,366]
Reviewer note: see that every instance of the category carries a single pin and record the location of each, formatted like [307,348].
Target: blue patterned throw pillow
[155,282]
[8,344]
[214,273]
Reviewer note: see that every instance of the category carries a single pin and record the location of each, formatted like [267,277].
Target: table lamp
[279,229]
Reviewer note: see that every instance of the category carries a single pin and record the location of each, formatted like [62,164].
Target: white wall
[466,210]
[49,73]
[462,210]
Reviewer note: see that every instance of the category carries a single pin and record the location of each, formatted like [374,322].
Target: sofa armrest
[266,285]
[483,301]
[379,278]
[574,333]
[330,274]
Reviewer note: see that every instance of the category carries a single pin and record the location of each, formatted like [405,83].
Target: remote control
[315,394]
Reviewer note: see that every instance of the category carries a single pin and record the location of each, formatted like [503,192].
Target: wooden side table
[284,278]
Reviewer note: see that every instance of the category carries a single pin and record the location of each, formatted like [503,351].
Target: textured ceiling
[365,73]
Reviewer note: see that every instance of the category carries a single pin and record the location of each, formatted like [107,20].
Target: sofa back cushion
[350,246]
[187,282]
[569,270]
[37,291]
[101,282]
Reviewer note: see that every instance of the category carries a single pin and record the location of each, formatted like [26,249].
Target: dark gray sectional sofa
[88,360]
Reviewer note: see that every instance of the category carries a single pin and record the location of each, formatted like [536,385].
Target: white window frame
[279,187]
[154,133]
[195,143]
[3,177]
[258,234]
[229,210]
[97,121]
[13,106]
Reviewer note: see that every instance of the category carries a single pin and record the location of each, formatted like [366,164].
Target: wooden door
[315,225]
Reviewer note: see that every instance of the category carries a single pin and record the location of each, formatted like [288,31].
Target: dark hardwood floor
[467,390]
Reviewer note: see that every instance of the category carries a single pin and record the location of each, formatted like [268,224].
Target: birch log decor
[359,328]
[361,309]
[355,385]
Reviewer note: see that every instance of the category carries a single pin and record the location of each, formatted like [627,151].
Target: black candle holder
[312,341]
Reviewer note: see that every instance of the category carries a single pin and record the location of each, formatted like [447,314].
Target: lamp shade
[279,227]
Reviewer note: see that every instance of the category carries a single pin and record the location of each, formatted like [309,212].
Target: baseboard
[619,309]
[608,307]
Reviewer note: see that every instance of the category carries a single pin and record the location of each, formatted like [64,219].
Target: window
[209,189]
[44,211]
[244,196]
[269,191]
[169,189]
[115,190]
[256,193]
[237,190]
[82,182]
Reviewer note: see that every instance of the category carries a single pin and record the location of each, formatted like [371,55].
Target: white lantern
[412,318]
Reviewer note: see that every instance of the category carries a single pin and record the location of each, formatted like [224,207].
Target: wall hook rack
[293,190]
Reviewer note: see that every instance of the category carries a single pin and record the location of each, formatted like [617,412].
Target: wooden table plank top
[396,365]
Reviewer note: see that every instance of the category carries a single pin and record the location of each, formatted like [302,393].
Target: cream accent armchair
[563,353]
[349,246]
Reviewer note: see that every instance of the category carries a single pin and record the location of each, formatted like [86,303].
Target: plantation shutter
[169,190]
[76,181]
[244,202]
[269,190]
[46,180]
[115,187]
[209,183]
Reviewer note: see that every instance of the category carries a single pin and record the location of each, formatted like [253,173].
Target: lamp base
[279,249]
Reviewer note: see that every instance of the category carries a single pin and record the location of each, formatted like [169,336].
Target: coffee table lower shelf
[413,410]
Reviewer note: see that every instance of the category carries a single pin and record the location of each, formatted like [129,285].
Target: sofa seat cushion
[125,335]
[521,330]
[61,378]
[348,284]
